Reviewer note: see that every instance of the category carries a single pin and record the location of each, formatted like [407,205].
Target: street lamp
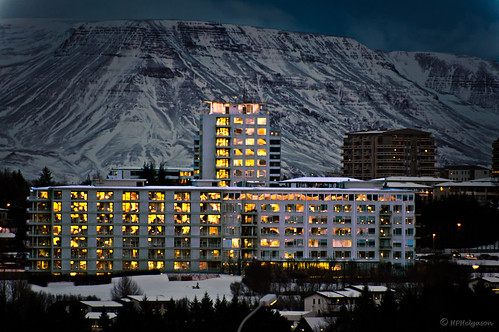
[267,300]
[434,241]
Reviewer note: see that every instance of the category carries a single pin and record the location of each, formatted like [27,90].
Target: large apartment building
[378,154]
[92,230]
[236,145]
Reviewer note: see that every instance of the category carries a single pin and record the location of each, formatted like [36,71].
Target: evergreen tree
[45,179]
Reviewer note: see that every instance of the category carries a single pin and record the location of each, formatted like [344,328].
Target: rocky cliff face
[84,97]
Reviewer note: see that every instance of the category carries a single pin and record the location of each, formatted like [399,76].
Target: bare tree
[124,287]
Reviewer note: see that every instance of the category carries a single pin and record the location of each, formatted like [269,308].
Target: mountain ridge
[82,97]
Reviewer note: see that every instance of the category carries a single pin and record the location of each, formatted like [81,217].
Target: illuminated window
[104,242]
[82,195]
[250,121]
[182,196]
[222,142]
[269,243]
[130,195]
[105,206]
[249,162]
[223,152]
[238,152]
[238,162]
[261,141]
[261,173]
[130,230]
[43,194]
[250,131]
[156,265]
[238,131]
[342,243]
[210,218]
[182,230]
[210,196]
[262,152]
[104,195]
[182,207]
[223,132]
[78,206]
[223,121]
[130,265]
[250,141]
[181,265]
[130,207]
[104,230]
[156,196]
[156,219]
[262,121]
[238,141]
[79,230]
[57,230]
[250,152]
[238,120]
[78,218]
[77,242]
[262,131]
[222,174]
[262,162]
[222,162]
[131,218]
[182,219]
[156,230]
[156,207]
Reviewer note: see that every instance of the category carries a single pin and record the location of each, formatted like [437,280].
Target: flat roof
[314,179]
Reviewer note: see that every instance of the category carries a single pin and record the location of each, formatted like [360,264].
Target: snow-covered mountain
[82,98]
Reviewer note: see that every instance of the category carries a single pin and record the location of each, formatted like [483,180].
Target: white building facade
[93,230]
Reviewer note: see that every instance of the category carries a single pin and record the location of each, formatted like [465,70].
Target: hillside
[82,97]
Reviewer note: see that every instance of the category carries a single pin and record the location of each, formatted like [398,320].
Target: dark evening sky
[469,27]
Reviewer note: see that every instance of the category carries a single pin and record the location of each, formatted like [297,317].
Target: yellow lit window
[182,196]
[130,230]
[269,243]
[57,206]
[130,195]
[181,265]
[182,207]
[43,194]
[262,152]
[223,152]
[238,162]
[79,206]
[156,207]
[103,195]
[130,207]
[156,265]
[238,120]
[238,141]
[156,219]
[222,162]
[57,241]
[79,195]
[223,121]
[182,219]
[250,131]
[222,174]
[238,152]
[250,141]
[262,121]
[261,173]
[222,142]
[262,162]
[222,131]
[250,152]
[262,131]
[249,162]
[261,141]
[57,230]
[157,195]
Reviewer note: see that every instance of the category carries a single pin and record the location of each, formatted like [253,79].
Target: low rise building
[94,230]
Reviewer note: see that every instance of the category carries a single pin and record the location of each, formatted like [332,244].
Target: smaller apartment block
[93,230]
[378,154]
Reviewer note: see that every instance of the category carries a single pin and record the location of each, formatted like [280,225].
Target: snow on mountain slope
[84,97]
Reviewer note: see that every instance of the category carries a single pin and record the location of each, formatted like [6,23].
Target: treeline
[197,315]
[22,309]
[430,306]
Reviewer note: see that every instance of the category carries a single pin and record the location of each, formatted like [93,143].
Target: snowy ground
[151,285]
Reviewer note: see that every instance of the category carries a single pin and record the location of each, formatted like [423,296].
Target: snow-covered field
[152,286]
